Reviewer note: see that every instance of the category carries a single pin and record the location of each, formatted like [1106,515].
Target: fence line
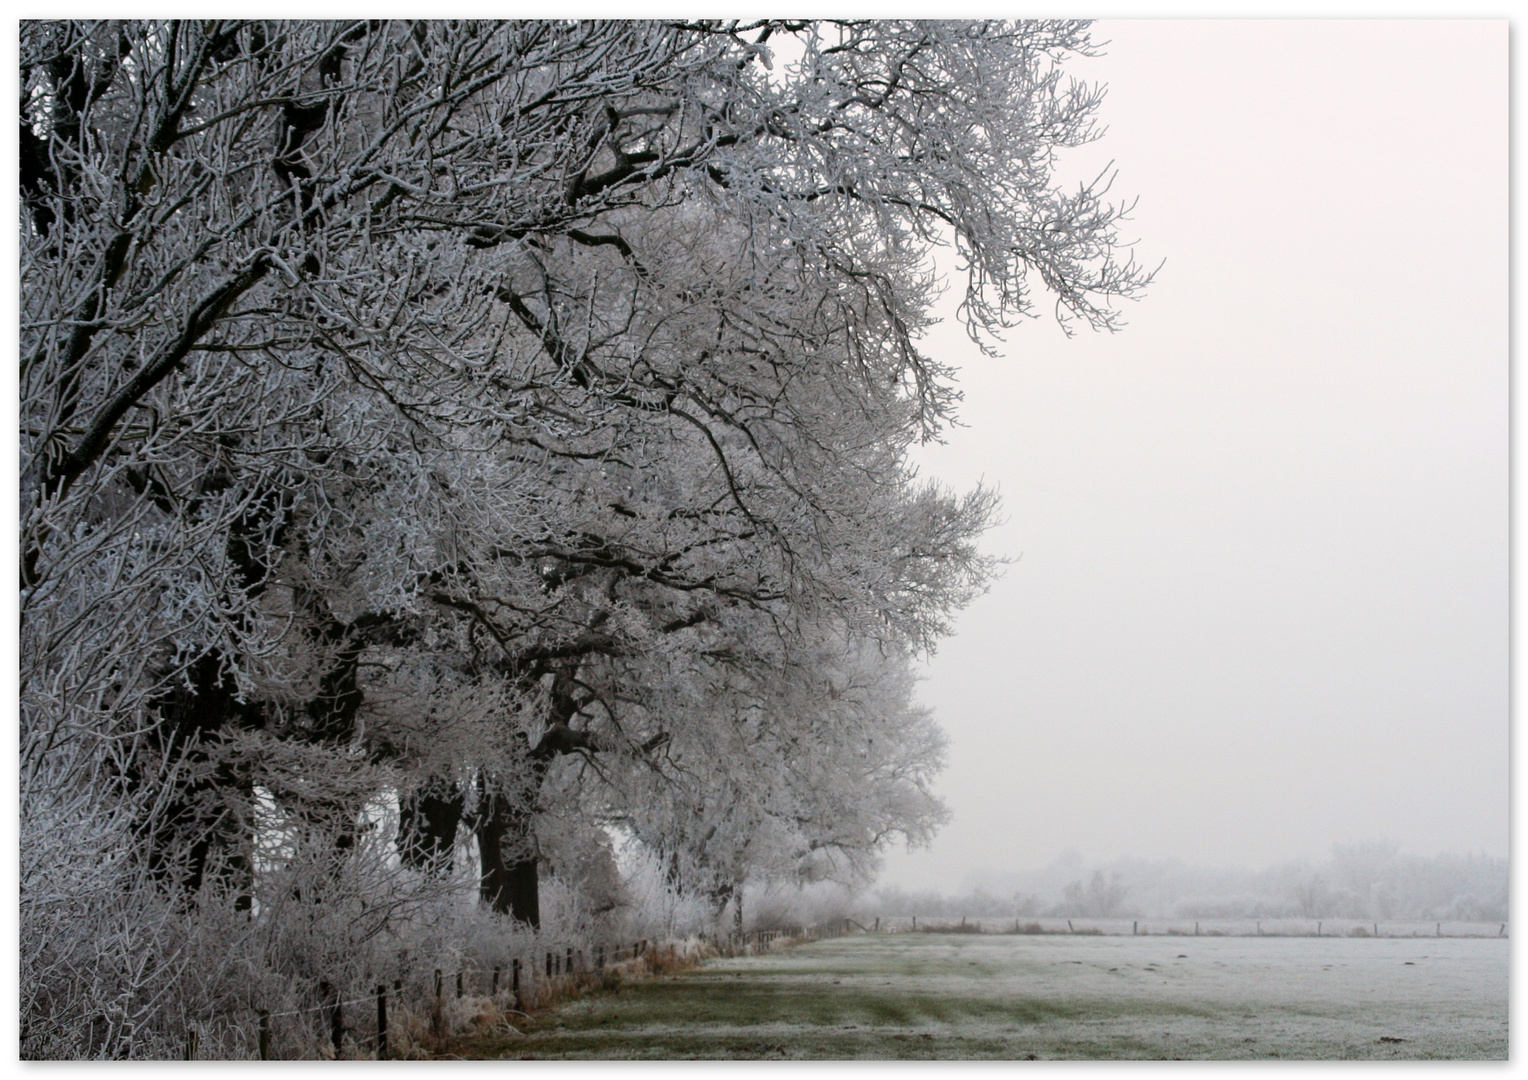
[537,976]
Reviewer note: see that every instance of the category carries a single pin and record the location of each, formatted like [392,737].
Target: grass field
[921,996]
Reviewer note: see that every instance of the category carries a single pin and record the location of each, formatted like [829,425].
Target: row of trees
[500,427]
[1369,879]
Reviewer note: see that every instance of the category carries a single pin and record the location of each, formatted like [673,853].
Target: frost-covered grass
[988,996]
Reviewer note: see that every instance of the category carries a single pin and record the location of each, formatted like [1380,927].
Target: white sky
[1262,600]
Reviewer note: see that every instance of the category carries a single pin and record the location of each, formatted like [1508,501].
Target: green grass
[928,996]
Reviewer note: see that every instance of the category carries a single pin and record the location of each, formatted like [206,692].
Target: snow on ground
[1055,996]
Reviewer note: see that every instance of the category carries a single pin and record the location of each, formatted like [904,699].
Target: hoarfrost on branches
[502,422]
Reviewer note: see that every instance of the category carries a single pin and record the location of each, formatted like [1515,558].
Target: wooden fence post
[381,1021]
[1135,927]
[437,984]
[336,1016]
[514,980]
[458,984]
[1440,930]
[570,960]
[190,1044]
[495,991]
[265,1035]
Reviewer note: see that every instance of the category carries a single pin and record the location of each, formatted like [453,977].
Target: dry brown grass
[449,1026]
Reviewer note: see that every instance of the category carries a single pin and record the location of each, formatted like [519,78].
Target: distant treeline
[1367,880]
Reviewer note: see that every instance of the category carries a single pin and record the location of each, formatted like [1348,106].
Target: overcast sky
[1260,598]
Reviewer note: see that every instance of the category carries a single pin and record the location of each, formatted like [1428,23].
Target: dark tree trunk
[510,884]
[427,824]
[506,815]
[331,716]
[194,830]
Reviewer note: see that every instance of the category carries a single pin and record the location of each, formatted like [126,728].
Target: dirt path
[923,996]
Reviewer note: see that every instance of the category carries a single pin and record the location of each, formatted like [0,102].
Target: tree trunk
[428,819]
[506,847]
[192,831]
[506,812]
[506,816]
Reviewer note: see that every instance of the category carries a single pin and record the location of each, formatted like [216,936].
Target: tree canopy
[510,421]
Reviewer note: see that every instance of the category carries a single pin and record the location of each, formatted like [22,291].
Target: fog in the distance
[1259,602]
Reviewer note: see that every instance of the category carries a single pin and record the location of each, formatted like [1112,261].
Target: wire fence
[420,1009]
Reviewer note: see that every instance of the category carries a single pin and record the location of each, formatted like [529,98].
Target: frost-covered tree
[491,414]
[800,778]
